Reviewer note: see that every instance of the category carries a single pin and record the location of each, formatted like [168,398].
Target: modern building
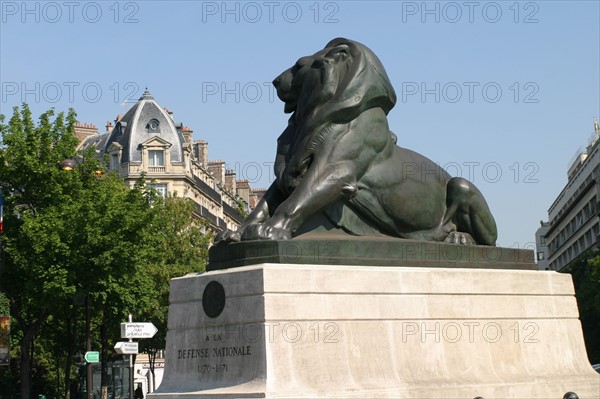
[573,218]
[148,141]
[542,246]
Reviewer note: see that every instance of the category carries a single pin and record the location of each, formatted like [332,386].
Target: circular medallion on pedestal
[213,299]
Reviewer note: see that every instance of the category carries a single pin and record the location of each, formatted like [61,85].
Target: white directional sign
[138,330]
[126,348]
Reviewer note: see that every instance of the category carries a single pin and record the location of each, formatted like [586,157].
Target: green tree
[75,238]
[586,279]
[31,182]
[105,224]
[176,248]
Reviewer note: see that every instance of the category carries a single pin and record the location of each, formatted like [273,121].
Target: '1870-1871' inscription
[218,354]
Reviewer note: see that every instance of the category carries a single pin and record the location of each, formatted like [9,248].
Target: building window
[152,126]
[114,162]
[156,158]
[540,256]
[160,188]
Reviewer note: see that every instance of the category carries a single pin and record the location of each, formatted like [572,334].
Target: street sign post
[133,330]
[126,348]
[92,357]
[138,330]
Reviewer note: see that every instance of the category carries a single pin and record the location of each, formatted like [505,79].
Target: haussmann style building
[573,218]
[147,140]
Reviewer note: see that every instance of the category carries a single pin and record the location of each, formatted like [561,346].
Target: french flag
[1,212]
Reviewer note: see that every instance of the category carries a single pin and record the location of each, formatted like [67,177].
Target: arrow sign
[92,356]
[126,348]
[138,330]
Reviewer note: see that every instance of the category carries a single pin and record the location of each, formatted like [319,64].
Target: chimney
[85,130]
[109,126]
[200,149]
[256,195]
[243,189]
[217,168]
[230,182]
[187,134]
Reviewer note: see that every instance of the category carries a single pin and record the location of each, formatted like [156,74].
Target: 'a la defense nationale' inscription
[233,348]
[203,353]
[214,358]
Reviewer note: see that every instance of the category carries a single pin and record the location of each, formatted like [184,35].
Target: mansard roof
[145,120]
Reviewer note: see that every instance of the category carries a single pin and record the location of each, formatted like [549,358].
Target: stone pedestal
[311,331]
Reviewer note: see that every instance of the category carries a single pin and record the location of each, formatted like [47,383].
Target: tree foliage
[33,276]
[179,248]
[586,279]
[71,236]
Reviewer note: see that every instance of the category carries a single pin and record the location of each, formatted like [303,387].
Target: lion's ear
[339,52]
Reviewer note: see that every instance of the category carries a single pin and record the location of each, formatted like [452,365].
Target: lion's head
[335,84]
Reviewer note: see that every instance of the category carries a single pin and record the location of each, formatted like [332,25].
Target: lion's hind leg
[467,209]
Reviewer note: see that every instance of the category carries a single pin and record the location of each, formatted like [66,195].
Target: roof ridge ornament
[146,95]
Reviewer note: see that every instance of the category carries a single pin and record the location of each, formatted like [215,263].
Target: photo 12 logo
[53,12]
[71,92]
[474,171]
[468,332]
[469,92]
[326,332]
[238,92]
[469,12]
[252,12]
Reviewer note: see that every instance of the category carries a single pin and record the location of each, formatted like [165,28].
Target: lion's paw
[227,236]
[265,232]
[456,237]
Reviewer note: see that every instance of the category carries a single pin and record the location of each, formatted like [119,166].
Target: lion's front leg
[267,205]
[320,187]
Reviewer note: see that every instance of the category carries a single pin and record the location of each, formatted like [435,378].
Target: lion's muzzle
[285,91]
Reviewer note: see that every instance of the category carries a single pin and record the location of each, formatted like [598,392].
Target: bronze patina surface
[324,248]
[337,162]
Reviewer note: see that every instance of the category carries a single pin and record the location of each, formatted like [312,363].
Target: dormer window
[152,126]
[156,158]
[114,161]
[156,155]
[114,151]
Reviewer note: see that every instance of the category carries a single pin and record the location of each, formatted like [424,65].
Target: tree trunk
[58,370]
[29,331]
[152,360]
[71,337]
[104,361]
[26,345]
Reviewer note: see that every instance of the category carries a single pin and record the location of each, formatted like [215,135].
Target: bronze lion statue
[338,166]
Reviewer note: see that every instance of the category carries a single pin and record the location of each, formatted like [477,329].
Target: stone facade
[542,246]
[573,226]
[338,331]
[147,140]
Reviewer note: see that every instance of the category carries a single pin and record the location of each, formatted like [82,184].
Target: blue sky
[502,93]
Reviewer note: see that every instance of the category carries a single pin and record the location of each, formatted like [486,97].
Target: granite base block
[314,331]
